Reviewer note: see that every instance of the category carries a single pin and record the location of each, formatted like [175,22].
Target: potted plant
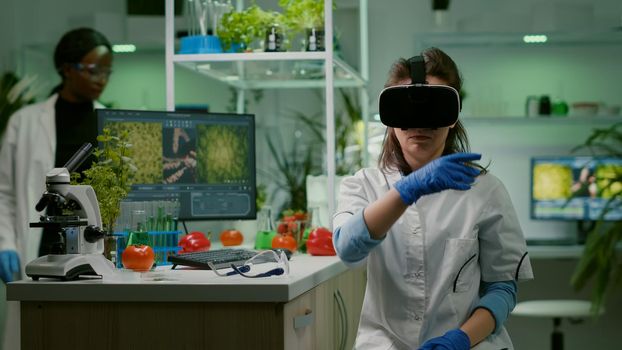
[600,261]
[305,16]
[111,175]
[242,28]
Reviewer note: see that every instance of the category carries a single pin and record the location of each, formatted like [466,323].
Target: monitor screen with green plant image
[206,161]
[576,188]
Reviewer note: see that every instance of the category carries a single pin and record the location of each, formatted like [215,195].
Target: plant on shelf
[111,175]
[600,262]
[246,26]
[305,17]
[300,15]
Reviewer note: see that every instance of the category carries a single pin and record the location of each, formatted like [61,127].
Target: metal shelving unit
[272,70]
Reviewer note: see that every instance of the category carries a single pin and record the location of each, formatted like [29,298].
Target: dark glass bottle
[545,105]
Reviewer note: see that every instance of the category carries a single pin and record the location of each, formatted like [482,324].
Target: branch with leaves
[15,93]
[346,122]
[111,175]
[294,171]
[600,262]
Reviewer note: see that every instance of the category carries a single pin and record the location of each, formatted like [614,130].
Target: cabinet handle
[343,317]
[303,320]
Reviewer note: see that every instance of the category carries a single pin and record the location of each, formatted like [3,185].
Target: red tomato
[282,227]
[138,257]
[194,242]
[231,237]
[284,241]
[289,218]
[320,242]
[300,215]
[292,226]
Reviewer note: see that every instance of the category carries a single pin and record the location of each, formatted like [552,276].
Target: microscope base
[68,266]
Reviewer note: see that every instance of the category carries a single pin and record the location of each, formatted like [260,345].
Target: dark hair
[440,65]
[74,45]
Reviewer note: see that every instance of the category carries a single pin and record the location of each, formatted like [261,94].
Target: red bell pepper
[194,242]
[320,242]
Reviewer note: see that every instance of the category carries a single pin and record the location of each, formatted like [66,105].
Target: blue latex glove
[9,265]
[447,172]
[455,339]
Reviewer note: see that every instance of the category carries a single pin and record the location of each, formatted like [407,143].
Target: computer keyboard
[220,258]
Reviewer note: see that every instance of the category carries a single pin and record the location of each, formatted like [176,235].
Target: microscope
[72,212]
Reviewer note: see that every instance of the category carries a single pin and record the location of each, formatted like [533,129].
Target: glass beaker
[138,233]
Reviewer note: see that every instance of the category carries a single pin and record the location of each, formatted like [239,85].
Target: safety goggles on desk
[419,105]
[264,258]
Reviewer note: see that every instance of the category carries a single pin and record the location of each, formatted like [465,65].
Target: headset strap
[417,70]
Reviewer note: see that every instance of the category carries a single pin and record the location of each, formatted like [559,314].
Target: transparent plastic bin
[164,243]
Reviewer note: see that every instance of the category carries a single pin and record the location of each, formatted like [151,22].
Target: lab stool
[574,310]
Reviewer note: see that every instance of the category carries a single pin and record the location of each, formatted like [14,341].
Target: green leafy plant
[294,168]
[14,94]
[111,175]
[246,26]
[347,123]
[261,195]
[299,15]
[600,262]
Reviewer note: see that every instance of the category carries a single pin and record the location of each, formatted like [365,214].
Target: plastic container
[200,44]
[164,243]
[205,44]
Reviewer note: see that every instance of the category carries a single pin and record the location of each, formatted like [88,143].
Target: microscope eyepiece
[79,157]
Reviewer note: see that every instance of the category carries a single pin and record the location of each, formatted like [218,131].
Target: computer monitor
[206,161]
[575,188]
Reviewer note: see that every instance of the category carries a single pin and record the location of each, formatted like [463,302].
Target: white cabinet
[326,317]
[245,71]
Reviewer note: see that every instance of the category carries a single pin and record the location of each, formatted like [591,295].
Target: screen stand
[583,228]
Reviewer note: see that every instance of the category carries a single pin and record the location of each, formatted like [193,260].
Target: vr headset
[419,105]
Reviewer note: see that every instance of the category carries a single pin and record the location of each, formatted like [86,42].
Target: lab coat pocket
[463,256]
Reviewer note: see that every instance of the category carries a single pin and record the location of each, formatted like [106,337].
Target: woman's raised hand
[443,173]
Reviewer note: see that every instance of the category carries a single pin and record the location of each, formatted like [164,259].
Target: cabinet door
[348,294]
[327,316]
[326,330]
[300,318]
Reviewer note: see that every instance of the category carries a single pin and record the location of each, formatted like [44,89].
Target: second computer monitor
[206,161]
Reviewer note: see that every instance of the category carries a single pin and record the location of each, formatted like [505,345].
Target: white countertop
[555,251]
[191,285]
[185,285]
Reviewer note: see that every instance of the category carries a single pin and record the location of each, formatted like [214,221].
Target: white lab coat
[27,154]
[424,278]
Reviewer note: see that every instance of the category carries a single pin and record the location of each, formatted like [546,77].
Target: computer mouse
[287,252]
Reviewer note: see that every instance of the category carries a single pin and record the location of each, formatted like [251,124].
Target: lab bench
[316,307]
[555,251]
[574,251]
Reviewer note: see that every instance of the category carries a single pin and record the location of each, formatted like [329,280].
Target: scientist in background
[43,136]
[437,232]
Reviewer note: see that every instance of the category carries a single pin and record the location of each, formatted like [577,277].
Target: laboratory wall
[498,77]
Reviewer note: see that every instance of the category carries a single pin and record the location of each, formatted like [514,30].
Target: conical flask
[315,222]
[263,239]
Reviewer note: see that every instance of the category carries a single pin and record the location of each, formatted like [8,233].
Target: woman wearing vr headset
[438,234]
